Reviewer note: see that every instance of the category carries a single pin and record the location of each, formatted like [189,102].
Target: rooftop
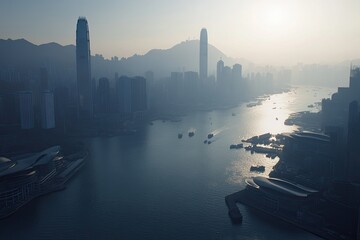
[280,186]
[12,166]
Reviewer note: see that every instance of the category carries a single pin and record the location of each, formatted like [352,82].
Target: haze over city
[277,32]
[180,120]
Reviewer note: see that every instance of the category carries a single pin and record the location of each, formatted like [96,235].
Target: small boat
[210,135]
[236,146]
[205,141]
[180,135]
[191,134]
[257,168]
[209,142]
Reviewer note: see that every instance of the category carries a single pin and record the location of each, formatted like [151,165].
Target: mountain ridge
[22,55]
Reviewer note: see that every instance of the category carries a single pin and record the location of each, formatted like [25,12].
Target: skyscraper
[26,109]
[203,68]
[103,96]
[219,71]
[47,110]
[83,68]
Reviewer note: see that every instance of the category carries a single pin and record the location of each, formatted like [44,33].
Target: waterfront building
[28,176]
[44,79]
[191,87]
[83,70]
[62,107]
[308,155]
[103,96]
[9,113]
[353,143]
[176,88]
[131,97]
[47,110]
[282,198]
[335,109]
[219,71]
[24,178]
[26,109]
[325,214]
[138,96]
[237,72]
[123,96]
[150,88]
[354,83]
[203,66]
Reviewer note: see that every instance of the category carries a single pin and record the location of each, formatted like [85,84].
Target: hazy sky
[277,32]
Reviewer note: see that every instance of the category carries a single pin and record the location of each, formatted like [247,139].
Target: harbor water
[153,185]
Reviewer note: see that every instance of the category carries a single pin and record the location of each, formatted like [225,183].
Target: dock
[234,212]
[242,197]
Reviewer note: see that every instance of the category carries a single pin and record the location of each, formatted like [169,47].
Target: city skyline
[158,141]
[293,32]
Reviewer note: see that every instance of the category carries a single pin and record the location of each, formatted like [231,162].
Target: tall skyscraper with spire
[203,68]
[83,69]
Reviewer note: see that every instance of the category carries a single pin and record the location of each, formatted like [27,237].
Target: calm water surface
[153,185]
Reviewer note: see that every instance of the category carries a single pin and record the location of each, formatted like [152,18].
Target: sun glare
[275,17]
[275,20]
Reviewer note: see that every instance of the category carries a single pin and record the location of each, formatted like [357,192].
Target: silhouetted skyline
[277,32]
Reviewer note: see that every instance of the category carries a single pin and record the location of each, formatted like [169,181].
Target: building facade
[26,109]
[203,68]
[83,70]
[47,110]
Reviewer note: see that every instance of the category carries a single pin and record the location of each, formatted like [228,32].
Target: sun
[275,17]
[275,20]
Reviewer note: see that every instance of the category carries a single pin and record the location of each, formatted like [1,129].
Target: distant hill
[181,57]
[27,58]
[23,55]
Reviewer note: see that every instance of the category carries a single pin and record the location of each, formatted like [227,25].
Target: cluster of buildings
[191,89]
[325,169]
[319,159]
[341,121]
[42,103]
[41,106]
[129,99]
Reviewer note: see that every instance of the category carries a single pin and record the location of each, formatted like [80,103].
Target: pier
[234,212]
[243,198]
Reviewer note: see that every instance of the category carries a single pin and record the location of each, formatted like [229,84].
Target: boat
[205,141]
[210,135]
[257,168]
[180,135]
[191,134]
[209,142]
[236,146]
